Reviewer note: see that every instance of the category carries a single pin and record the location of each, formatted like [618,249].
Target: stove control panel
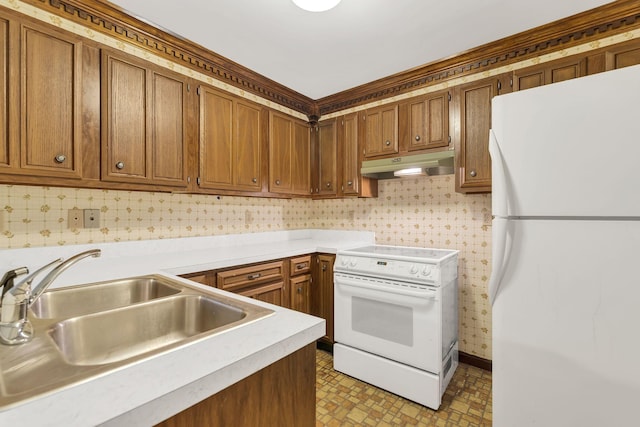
[408,271]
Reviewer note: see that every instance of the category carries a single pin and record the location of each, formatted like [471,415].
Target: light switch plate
[75,218]
[92,218]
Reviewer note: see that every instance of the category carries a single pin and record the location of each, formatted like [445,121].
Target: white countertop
[156,388]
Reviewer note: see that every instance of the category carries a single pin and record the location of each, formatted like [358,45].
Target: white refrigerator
[565,281]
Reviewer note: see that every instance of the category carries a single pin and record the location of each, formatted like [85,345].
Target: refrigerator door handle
[499,256]
[500,196]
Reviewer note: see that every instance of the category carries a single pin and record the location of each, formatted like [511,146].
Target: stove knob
[413,269]
[426,271]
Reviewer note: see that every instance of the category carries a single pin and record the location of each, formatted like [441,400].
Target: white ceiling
[359,41]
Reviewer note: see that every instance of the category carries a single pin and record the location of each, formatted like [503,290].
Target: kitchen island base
[282,394]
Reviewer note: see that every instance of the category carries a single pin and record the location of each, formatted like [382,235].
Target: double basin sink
[84,331]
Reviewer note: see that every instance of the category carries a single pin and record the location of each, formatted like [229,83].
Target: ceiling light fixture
[316,5]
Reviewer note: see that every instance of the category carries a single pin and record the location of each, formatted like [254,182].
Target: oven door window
[389,322]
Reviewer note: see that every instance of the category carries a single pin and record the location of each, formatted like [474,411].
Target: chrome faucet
[16,298]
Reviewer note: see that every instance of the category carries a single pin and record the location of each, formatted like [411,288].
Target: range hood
[436,163]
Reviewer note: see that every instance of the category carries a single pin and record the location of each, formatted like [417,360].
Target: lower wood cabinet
[265,282]
[322,292]
[282,394]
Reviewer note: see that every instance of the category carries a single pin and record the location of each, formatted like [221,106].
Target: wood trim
[106,18]
[607,20]
[478,362]
[101,16]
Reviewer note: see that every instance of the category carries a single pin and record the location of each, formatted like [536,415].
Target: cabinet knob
[277,182]
[349,183]
[328,185]
[254,180]
[60,158]
[299,289]
[387,143]
[417,137]
[120,165]
[324,267]
[473,173]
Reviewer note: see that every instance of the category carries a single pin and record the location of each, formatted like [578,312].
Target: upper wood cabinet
[326,135]
[143,123]
[473,116]
[289,155]
[5,88]
[40,101]
[230,142]
[380,135]
[614,57]
[550,72]
[424,122]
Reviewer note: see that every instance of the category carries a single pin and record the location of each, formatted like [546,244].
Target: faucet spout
[15,299]
[57,271]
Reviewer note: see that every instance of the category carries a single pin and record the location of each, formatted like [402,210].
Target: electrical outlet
[75,218]
[92,218]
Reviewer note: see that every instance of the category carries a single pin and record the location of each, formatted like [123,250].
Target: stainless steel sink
[116,335]
[88,330]
[76,301]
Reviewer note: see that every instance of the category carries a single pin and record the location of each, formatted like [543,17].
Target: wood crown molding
[610,19]
[102,16]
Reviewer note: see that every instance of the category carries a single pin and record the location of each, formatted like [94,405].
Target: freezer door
[568,149]
[565,325]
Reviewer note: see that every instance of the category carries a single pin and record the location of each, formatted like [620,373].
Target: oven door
[398,321]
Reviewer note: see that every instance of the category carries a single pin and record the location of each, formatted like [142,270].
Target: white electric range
[396,319]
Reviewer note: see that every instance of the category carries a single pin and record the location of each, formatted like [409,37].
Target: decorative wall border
[101,16]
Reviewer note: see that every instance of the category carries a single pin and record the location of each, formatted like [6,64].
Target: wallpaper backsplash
[423,211]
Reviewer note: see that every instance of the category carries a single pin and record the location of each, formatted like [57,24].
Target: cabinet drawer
[300,265]
[237,278]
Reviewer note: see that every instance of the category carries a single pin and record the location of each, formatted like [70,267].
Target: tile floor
[344,401]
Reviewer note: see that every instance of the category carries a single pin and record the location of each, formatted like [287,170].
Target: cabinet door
[280,142]
[327,158]
[623,55]
[429,122]
[272,293]
[168,139]
[127,154]
[322,293]
[301,159]
[300,293]
[381,131]
[216,139]
[474,109]
[247,159]
[350,160]
[551,72]
[5,151]
[51,125]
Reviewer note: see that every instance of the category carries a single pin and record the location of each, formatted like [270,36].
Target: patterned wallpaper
[423,211]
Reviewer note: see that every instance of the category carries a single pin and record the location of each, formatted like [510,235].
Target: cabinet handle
[324,267]
[417,137]
[473,173]
[120,165]
[299,289]
[387,143]
[349,183]
[254,180]
[301,266]
[60,158]
[328,185]
[254,276]
[277,182]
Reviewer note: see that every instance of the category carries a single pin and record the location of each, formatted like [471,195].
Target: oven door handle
[425,294]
